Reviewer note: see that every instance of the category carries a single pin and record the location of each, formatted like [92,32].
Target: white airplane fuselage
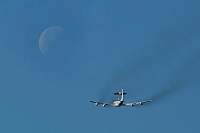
[117,103]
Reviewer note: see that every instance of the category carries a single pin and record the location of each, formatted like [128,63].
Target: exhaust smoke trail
[168,90]
[172,58]
[185,75]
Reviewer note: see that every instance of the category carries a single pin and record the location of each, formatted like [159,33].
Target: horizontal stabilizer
[120,93]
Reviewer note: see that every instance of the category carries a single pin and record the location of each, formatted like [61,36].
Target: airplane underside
[120,102]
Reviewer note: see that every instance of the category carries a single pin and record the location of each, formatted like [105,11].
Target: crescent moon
[47,38]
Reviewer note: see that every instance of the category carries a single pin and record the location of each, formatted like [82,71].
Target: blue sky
[151,48]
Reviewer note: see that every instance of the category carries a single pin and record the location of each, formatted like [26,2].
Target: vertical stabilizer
[122,99]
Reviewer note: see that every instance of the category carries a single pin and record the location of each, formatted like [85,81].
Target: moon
[48,37]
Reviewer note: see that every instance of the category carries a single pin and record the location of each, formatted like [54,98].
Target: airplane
[120,102]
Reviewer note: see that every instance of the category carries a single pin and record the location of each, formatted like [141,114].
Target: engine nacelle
[96,104]
[104,105]
[132,105]
[141,103]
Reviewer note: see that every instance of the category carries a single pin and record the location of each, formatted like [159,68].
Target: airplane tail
[122,93]
[122,99]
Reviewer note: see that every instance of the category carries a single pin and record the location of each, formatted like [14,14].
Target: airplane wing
[136,103]
[103,103]
[142,102]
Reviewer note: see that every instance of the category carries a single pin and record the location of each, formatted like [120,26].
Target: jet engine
[140,103]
